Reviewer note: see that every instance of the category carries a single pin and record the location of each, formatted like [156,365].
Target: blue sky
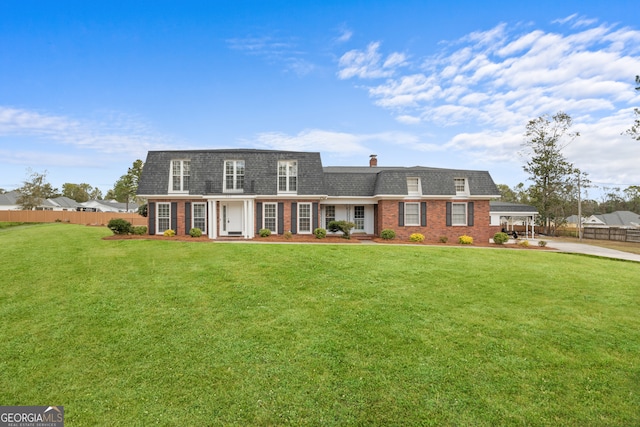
[86,88]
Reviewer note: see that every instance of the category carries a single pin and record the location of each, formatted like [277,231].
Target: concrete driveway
[581,248]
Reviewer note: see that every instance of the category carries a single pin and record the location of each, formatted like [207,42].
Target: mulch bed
[301,238]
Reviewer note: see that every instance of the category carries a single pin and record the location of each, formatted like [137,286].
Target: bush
[500,238]
[388,234]
[320,233]
[288,235]
[443,239]
[343,226]
[169,233]
[523,243]
[465,240]
[140,230]
[264,232]
[416,237]
[119,226]
[195,232]
[542,243]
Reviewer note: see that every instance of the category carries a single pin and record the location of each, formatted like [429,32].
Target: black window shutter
[294,218]
[187,217]
[315,215]
[174,216]
[152,217]
[400,214]
[423,214]
[470,214]
[449,214]
[280,218]
[258,216]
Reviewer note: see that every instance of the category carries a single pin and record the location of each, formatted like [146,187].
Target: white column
[213,213]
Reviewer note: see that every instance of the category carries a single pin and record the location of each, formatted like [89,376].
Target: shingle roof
[207,171]
[497,206]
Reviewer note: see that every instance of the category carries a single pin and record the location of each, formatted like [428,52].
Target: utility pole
[579,209]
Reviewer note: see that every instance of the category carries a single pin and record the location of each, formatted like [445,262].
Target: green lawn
[137,333]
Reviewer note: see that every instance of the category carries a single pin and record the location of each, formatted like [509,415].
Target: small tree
[35,190]
[342,226]
[126,187]
[634,130]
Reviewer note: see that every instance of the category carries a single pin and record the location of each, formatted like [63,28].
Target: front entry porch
[231,218]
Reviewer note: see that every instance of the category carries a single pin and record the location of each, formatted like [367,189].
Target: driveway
[581,248]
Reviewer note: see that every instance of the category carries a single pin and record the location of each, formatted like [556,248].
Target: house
[106,206]
[238,192]
[620,219]
[9,202]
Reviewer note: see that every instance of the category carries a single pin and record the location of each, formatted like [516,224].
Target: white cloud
[369,64]
[489,84]
[275,50]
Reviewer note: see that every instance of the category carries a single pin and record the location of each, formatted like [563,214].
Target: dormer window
[287,176]
[413,187]
[461,186]
[234,176]
[180,176]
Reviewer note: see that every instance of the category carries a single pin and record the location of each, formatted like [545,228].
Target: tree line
[36,189]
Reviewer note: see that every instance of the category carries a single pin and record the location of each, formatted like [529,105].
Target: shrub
[288,235]
[119,226]
[343,226]
[500,238]
[416,237]
[169,233]
[140,230]
[524,243]
[443,239]
[320,233]
[195,232]
[388,234]
[542,243]
[465,240]
[264,232]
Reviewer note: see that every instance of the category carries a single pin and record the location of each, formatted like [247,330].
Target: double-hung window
[413,187]
[180,176]
[329,215]
[358,217]
[234,176]
[412,214]
[287,176]
[458,214]
[270,216]
[200,216]
[163,217]
[304,218]
[461,186]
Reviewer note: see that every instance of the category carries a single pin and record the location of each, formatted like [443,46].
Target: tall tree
[549,171]
[35,190]
[634,130]
[78,192]
[126,187]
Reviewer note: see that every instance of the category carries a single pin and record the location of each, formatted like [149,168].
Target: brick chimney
[373,160]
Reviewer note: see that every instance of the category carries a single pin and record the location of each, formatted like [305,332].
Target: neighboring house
[9,201]
[63,204]
[621,219]
[107,206]
[238,192]
[508,215]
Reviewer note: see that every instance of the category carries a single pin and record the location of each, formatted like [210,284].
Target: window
[164,217]
[304,218]
[288,176]
[412,213]
[180,174]
[413,187]
[461,186]
[233,175]
[270,216]
[329,215]
[459,214]
[200,216]
[358,217]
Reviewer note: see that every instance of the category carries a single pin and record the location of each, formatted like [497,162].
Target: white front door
[231,219]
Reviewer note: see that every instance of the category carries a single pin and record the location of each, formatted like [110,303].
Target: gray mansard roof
[261,175]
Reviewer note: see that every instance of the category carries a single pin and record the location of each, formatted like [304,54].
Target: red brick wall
[436,227]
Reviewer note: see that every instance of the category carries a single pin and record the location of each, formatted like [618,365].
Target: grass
[175,333]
